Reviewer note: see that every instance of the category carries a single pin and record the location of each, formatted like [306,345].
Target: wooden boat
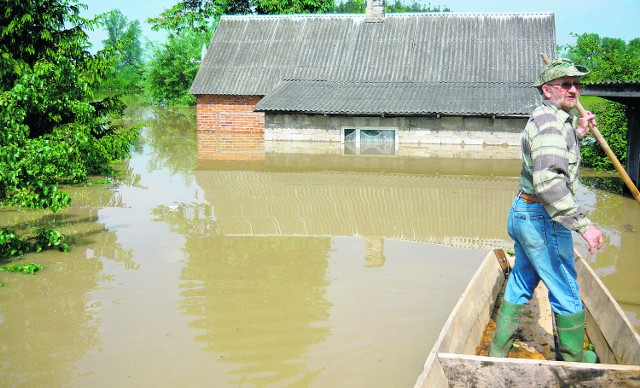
[453,361]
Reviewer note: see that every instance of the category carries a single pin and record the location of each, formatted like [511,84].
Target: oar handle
[603,144]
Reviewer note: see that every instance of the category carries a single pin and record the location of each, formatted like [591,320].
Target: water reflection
[270,200]
[298,265]
[48,323]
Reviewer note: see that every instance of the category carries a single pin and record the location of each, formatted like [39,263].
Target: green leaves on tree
[52,130]
[609,60]
[612,124]
[173,68]
[124,42]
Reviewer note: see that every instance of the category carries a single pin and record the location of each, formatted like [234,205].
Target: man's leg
[558,272]
[520,286]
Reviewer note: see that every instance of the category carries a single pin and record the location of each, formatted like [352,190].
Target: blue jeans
[544,251]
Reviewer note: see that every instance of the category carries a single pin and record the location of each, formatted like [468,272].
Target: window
[369,141]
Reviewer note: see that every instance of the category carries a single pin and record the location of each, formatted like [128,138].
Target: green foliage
[49,238]
[115,23]
[51,132]
[13,245]
[174,65]
[29,268]
[273,7]
[190,24]
[198,14]
[128,78]
[351,6]
[612,124]
[400,7]
[609,59]
[124,39]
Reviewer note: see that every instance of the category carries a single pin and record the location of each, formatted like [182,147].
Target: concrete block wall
[412,130]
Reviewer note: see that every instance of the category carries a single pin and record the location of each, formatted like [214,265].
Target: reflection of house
[277,199]
[410,78]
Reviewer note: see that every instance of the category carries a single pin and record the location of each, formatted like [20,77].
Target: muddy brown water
[314,268]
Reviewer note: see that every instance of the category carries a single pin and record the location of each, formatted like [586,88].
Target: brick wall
[228,128]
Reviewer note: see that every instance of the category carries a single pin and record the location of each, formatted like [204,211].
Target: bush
[612,124]
[173,68]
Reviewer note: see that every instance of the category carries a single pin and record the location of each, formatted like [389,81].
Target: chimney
[375,11]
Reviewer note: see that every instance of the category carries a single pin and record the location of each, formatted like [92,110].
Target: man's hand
[584,122]
[593,237]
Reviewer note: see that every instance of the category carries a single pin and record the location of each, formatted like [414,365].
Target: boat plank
[463,329]
[611,321]
[476,305]
[478,371]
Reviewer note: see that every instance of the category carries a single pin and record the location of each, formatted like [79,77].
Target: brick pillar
[228,128]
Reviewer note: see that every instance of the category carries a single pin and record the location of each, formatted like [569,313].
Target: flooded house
[346,81]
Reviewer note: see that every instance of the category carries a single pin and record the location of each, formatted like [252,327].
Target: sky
[612,18]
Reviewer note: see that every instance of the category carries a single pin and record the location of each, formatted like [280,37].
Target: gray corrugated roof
[401,98]
[612,89]
[428,62]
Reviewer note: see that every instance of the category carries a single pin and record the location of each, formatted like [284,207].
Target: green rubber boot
[571,338]
[508,321]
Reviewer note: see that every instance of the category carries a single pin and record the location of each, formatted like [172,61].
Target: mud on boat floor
[534,338]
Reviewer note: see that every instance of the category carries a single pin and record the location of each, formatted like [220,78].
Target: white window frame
[396,138]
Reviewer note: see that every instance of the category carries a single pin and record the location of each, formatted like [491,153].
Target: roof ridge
[405,81]
[393,15]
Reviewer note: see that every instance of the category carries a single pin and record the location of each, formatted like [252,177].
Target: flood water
[312,268]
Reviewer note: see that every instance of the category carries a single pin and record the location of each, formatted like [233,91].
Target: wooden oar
[603,143]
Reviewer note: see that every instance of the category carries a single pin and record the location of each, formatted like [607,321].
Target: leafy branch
[29,268]
[12,245]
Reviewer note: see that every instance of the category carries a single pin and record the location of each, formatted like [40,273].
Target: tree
[609,59]
[50,132]
[124,38]
[131,47]
[612,124]
[271,7]
[173,67]
[115,23]
[351,6]
[198,14]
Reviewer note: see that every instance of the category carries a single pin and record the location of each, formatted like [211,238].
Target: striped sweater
[550,165]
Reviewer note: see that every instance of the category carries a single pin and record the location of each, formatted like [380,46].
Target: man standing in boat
[545,212]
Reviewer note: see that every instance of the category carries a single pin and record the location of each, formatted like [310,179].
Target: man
[544,214]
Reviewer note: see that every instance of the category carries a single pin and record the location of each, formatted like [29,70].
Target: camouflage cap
[557,68]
